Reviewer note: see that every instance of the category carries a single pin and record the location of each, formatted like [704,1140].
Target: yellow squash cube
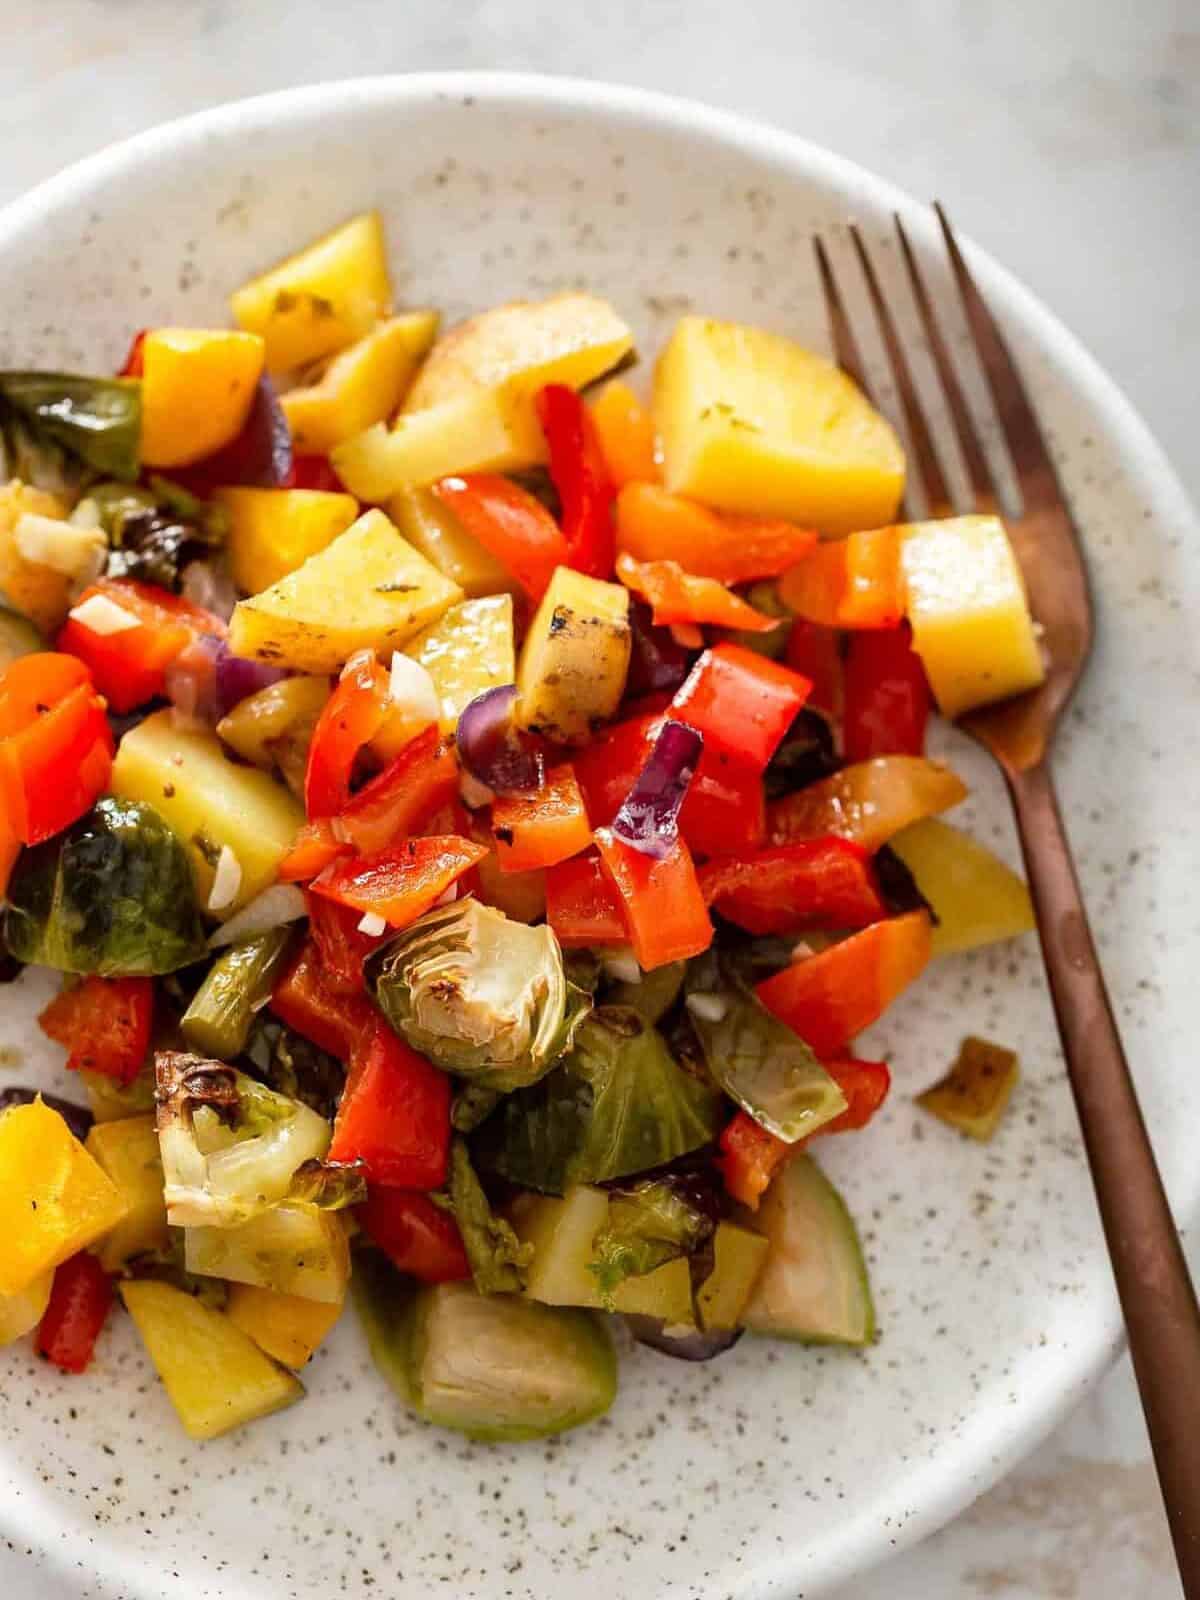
[54,1199]
[214,1373]
[974,1094]
[20,1313]
[753,423]
[978,899]
[286,1326]
[274,531]
[210,803]
[468,650]
[575,657]
[969,614]
[197,388]
[361,386]
[127,1151]
[322,299]
[436,532]
[368,590]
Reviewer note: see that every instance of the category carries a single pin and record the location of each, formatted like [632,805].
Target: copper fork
[1156,1292]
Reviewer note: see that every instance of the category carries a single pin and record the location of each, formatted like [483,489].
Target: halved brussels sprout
[482,996]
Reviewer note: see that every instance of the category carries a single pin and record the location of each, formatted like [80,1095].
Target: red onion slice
[191,680]
[492,750]
[649,816]
[239,677]
[657,662]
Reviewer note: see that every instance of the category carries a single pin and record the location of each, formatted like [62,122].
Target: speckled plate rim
[932,1494]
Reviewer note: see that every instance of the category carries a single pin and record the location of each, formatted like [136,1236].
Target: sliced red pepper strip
[819,883]
[353,715]
[313,472]
[315,847]
[307,1002]
[394,1114]
[887,695]
[865,1085]
[815,652]
[580,474]
[417,1237]
[511,524]
[340,943]
[582,907]
[742,703]
[676,596]
[855,582]
[830,997]
[541,829]
[665,915]
[56,747]
[134,364]
[80,1298]
[401,883]
[104,1025]
[129,667]
[398,800]
[654,525]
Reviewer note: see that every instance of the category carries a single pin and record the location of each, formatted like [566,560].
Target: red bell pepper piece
[129,667]
[742,703]
[315,846]
[509,522]
[134,364]
[819,883]
[606,768]
[854,582]
[582,907]
[104,1025]
[353,715]
[887,696]
[865,1085]
[416,1236]
[665,915]
[815,652]
[394,1114]
[313,472]
[80,1298]
[654,525]
[422,778]
[56,747]
[580,475]
[340,943]
[401,883]
[830,997]
[541,829]
[307,1001]
[676,596]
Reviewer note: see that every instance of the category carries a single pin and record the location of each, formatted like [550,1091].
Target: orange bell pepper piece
[653,525]
[541,829]
[677,596]
[665,915]
[855,582]
[626,432]
[867,802]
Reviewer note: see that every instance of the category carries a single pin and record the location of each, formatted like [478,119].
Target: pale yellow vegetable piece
[286,1326]
[294,1248]
[467,651]
[575,657]
[480,430]
[738,1259]
[39,592]
[322,299]
[436,532]
[571,338]
[127,1150]
[20,1313]
[274,531]
[974,1094]
[215,1375]
[753,423]
[977,897]
[969,614]
[210,802]
[54,1199]
[361,386]
[368,590]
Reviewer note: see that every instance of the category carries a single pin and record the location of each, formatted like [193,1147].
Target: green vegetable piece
[973,1095]
[758,1061]
[155,532]
[293,1066]
[97,420]
[814,1286]
[618,1104]
[112,895]
[654,996]
[290,1248]
[498,1258]
[764,597]
[495,1367]
[329,1186]
[480,995]
[473,1104]
[648,1225]
[18,637]
[219,1019]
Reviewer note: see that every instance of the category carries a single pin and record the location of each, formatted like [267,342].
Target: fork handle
[1157,1295]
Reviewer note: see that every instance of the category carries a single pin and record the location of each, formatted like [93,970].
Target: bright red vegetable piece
[818,883]
[580,475]
[353,715]
[129,667]
[104,1025]
[418,1237]
[394,1114]
[665,915]
[340,943]
[80,1298]
[401,883]
[541,829]
[815,652]
[398,800]
[582,906]
[742,703]
[887,695]
[509,522]
[307,1001]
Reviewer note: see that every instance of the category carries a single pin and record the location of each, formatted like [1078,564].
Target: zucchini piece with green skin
[814,1286]
[218,1021]
[294,1248]
[18,637]
[495,1367]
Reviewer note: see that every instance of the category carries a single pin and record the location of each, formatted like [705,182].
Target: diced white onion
[411,688]
[227,880]
[474,794]
[100,615]
[448,897]
[372,924]
[708,1007]
[621,963]
[802,950]
[280,904]
[50,542]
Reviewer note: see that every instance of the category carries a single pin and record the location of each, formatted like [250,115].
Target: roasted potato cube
[274,531]
[127,1150]
[468,650]
[575,657]
[361,386]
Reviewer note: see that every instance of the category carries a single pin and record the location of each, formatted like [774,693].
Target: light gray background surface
[1063,135]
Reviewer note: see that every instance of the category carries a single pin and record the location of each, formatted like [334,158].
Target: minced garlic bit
[372,924]
[227,880]
[100,615]
[411,687]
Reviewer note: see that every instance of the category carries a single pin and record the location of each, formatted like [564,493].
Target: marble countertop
[1062,136]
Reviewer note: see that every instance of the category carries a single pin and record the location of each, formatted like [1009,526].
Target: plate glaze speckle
[777,1470]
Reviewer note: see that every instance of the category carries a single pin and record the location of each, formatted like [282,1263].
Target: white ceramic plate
[777,1469]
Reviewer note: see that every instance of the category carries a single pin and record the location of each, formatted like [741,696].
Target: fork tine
[844,346]
[929,468]
[1031,460]
[978,472]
